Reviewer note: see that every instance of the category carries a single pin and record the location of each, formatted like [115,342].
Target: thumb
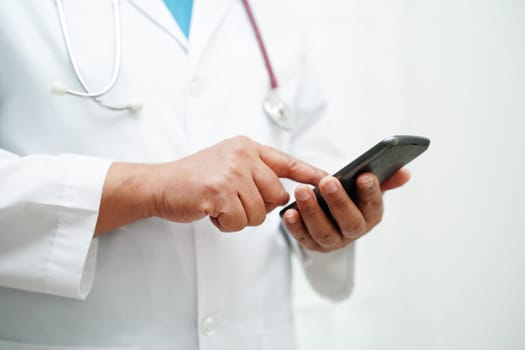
[289,167]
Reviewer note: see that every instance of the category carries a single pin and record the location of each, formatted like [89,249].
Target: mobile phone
[384,159]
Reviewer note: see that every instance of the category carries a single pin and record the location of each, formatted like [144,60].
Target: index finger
[398,179]
[289,167]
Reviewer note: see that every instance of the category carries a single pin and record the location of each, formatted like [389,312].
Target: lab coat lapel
[207,16]
[156,12]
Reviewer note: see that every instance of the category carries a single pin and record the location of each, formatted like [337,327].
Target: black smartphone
[384,159]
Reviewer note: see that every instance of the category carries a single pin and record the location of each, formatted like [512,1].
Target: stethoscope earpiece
[135,108]
[58,89]
[273,105]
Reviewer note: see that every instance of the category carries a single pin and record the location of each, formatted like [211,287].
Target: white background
[445,270]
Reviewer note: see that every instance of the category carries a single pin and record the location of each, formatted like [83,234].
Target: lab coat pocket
[282,338]
[7,345]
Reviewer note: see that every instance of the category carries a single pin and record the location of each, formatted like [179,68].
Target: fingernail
[368,182]
[330,187]
[302,195]
[290,218]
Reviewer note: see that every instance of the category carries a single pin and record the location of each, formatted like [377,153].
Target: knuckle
[354,229]
[232,160]
[312,246]
[324,250]
[340,202]
[374,212]
[278,197]
[240,151]
[345,242]
[218,188]
[308,243]
[269,207]
[283,196]
[241,144]
[214,189]
[304,241]
[292,164]
[233,172]
[307,205]
[235,225]
[371,204]
[225,229]
[236,144]
[258,219]
[209,208]
[273,192]
[308,210]
[242,139]
[326,239]
[376,221]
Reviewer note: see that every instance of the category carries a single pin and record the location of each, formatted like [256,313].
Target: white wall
[444,270]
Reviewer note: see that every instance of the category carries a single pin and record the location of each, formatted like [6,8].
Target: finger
[231,216]
[316,222]
[296,227]
[253,204]
[286,166]
[370,198]
[398,179]
[345,212]
[270,187]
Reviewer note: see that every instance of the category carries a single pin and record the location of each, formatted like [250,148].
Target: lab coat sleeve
[329,274]
[48,211]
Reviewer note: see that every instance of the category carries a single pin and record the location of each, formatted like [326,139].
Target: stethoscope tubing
[273,105]
[269,68]
[72,59]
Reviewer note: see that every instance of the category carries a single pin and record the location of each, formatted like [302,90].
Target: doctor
[113,205]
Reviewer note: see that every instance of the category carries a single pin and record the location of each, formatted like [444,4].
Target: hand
[236,183]
[315,231]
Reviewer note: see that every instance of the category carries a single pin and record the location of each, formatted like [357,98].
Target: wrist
[152,189]
[142,187]
[128,196]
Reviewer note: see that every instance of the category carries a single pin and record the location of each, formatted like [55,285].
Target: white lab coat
[151,285]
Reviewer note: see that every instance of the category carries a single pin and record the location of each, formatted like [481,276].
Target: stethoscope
[273,105]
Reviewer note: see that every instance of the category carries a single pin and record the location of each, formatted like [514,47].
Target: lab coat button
[209,326]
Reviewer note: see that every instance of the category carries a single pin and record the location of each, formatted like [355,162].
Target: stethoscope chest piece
[277,110]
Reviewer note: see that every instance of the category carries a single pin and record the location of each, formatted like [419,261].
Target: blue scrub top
[181,11]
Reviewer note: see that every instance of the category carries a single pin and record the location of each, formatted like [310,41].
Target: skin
[315,231]
[236,184]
